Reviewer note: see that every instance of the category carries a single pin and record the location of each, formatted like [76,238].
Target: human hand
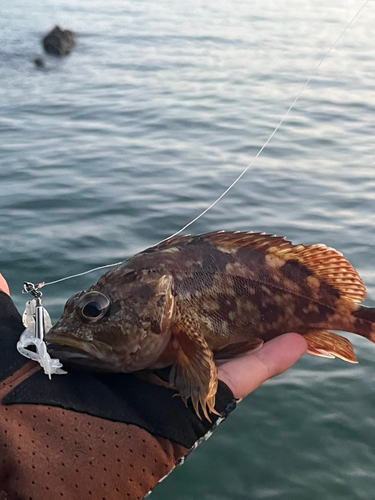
[244,374]
[4,285]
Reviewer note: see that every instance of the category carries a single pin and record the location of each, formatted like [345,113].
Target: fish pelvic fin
[237,349]
[194,374]
[328,345]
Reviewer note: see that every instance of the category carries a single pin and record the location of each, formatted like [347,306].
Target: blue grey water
[160,106]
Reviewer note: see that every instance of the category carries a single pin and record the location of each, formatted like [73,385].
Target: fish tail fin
[364,322]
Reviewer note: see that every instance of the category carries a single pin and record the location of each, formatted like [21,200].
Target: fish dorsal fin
[326,264]
[253,241]
[175,241]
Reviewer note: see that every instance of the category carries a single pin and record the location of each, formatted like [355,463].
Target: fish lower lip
[64,351]
[67,353]
[65,347]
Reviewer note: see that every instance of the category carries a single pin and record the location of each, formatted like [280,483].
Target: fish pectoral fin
[328,344]
[152,378]
[232,350]
[157,316]
[194,374]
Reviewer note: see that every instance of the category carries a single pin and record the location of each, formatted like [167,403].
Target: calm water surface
[158,109]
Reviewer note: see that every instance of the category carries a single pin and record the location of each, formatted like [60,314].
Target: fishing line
[79,274]
[252,161]
[275,129]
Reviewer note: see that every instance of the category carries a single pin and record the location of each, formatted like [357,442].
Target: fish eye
[93,307]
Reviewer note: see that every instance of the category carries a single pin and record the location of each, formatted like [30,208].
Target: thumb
[4,285]
[244,374]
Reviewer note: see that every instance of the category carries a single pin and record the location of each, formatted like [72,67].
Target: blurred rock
[59,42]
[39,63]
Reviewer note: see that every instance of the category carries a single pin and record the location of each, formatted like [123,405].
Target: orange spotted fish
[193,299]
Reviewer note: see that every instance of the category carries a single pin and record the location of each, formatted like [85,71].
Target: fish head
[121,324]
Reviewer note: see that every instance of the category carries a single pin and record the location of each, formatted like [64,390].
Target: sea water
[156,111]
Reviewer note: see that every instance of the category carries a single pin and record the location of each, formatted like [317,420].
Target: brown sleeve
[51,453]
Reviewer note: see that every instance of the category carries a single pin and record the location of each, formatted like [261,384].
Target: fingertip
[4,285]
[294,342]
[281,353]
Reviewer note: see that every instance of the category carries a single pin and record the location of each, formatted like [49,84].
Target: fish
[190,301]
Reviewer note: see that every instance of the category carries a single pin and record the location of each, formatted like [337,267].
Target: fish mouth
[78,351]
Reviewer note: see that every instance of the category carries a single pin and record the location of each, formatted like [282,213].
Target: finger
[4,285]
[243,375]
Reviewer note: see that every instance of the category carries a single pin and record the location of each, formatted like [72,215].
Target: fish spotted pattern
[193,299]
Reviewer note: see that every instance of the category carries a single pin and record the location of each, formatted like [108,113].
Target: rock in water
[39,63]
[59,42]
